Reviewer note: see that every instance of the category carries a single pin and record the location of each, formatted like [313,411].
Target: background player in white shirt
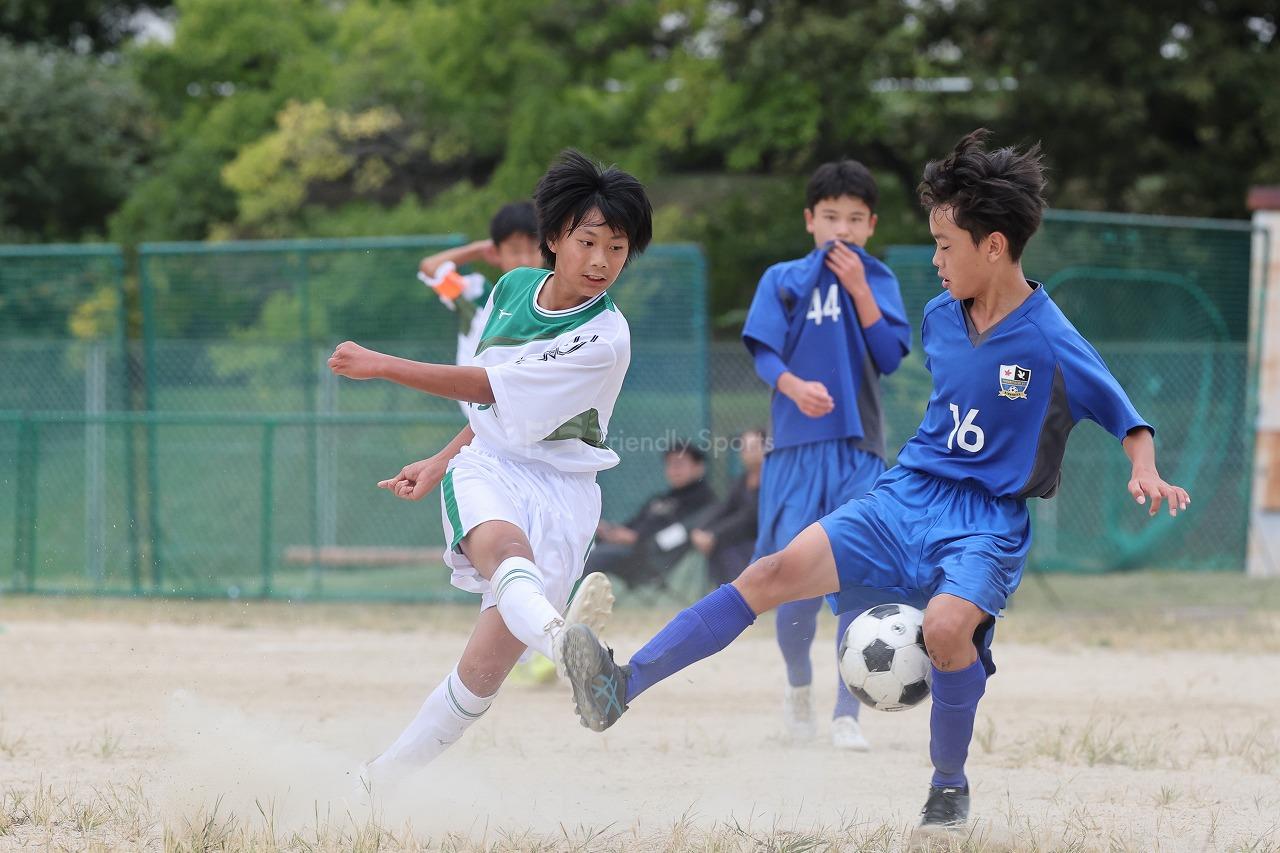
[519,496]
[512,243]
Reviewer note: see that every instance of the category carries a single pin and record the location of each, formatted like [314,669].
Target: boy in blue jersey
[946,529]
[822,330]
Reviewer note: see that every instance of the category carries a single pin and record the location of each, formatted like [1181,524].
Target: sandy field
[229,726]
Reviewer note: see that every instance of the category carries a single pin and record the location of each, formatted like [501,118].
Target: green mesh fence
[213,454]
[237,337]
[1166,303]
[61,348]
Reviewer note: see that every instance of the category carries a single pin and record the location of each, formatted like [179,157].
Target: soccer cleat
[592,603]
[846,733]
[599,684]
[946,808]
[797,714]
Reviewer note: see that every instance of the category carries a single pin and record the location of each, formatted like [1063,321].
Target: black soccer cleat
[946,808]
[599,684]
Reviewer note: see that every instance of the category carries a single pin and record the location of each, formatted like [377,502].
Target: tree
[1169,108]
[84,25]
[74,135]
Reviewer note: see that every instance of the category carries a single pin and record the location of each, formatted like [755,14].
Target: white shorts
[557,511]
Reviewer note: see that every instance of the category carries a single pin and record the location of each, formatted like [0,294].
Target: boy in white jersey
[520,500]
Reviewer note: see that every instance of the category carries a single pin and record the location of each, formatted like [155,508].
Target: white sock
[530,618]
[446,714]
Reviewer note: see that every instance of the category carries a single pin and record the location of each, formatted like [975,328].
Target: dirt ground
[154,725]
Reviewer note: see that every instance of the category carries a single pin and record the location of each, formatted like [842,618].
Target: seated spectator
[727,536]
[646,548]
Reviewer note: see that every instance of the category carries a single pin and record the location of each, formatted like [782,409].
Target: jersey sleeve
[769,365]
[1092,392]
[767,318]
[537,394]
[888,340]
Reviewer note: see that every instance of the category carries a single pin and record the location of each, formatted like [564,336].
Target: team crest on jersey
[1014,381]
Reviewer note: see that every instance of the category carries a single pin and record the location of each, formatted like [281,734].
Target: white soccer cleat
[797,714]
[592,603]
[846,733]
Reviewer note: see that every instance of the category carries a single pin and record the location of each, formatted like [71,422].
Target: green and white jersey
[555,376]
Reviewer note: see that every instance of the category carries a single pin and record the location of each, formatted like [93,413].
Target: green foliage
[312,118]
[1167,108]
[81,24]
[73,136]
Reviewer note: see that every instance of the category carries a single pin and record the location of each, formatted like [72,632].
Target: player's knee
[948,635]
[766,583]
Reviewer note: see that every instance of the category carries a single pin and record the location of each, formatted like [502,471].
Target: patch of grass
[1258,748]
[11,744]
[986,735]
[106,744]
[1102,742]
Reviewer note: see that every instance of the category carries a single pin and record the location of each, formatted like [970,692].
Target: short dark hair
[574,185]
[988,191]
[843,177]
[515,218]
[685,447]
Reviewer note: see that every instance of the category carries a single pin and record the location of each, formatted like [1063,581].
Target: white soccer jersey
[555,376]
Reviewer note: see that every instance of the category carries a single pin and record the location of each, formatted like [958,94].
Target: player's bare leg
[601,688]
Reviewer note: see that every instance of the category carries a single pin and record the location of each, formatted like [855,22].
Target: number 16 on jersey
[966,433]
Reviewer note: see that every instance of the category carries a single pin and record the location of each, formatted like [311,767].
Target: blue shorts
[915,536]
[802,483]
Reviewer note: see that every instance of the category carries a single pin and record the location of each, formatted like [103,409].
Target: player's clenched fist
[354,361]
[811,398]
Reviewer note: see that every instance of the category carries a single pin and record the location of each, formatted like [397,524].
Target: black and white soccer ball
[883,660]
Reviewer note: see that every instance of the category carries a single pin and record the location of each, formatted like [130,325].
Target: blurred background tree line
[217,119]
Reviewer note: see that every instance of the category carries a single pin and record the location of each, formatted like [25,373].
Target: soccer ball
[882,658]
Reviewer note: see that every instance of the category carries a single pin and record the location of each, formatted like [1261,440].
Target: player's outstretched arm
[480,250]
[418,479]
[468,384]
[1140,446]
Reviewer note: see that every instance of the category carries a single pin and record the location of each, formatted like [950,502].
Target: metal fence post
[268,472]
[309,395]
[148,395]
[130,436]
[23,483]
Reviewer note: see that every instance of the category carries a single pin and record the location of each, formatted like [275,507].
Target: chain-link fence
[1166,302]
[61,348]
[247,328]
[210,452]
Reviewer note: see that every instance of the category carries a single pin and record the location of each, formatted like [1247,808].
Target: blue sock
[797,622]
[847,705]
[955,704]
[697,632]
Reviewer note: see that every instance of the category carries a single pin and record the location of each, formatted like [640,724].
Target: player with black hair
[822,330]
[512,243]
[519,500]
[947,529]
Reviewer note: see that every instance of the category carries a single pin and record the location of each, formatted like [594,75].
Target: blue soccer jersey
[1004,401]
[802,313]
